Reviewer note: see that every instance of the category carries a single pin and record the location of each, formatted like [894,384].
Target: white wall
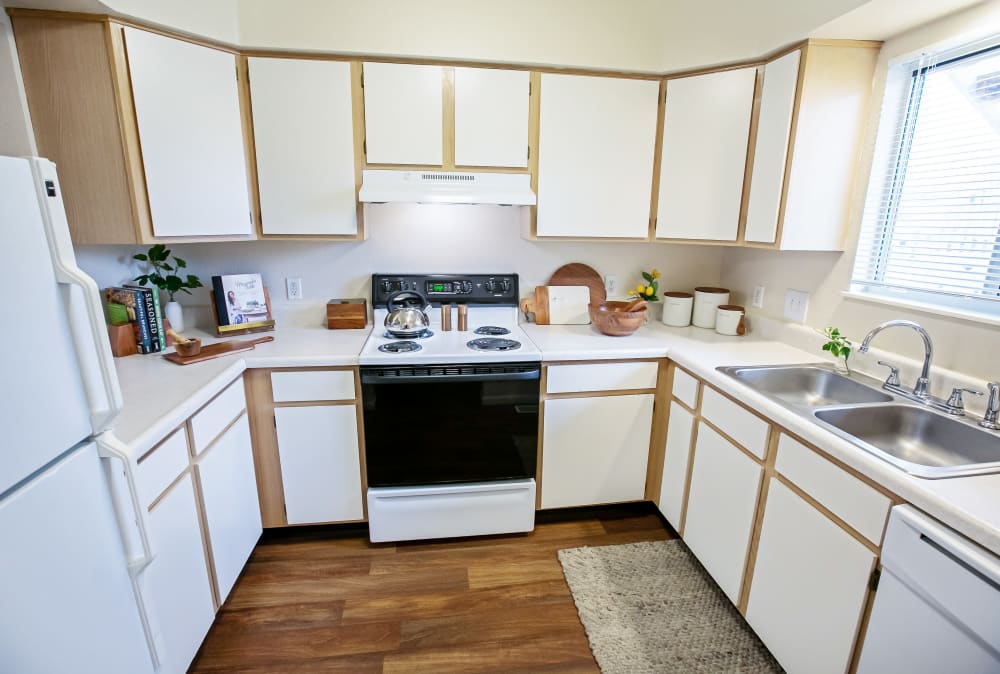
[642,35]
[963,346]
[417,239]
[16,137]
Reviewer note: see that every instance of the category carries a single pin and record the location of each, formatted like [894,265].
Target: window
[931,227]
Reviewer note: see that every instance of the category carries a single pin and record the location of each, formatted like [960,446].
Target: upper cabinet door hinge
[529,152]
[364,147]
[362,79]
[876,576]
[529,87]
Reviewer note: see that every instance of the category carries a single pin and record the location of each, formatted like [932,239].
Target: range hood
[446,187]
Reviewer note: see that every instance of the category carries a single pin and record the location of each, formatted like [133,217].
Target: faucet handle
[893,378]
[955,402]
[992,407]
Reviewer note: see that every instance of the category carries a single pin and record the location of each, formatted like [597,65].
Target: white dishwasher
[937,608]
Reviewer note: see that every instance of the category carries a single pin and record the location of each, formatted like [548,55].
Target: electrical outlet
[796,305]
[758,297]
[294,288]
[610,284]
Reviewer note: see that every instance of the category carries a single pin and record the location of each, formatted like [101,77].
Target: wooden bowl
[609,318]
[192,347]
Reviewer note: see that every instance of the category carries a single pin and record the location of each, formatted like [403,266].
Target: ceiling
[640,35]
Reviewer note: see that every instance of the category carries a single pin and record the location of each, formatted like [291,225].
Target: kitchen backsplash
[417,239]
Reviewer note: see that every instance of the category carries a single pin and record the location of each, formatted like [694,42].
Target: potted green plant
[167,276]
[839,347]
[648,291]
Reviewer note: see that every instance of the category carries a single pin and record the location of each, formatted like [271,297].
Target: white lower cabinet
[594,450]
[232,511]
[680,426]
[722,502]
[320,463]
[177,582]
[809,586]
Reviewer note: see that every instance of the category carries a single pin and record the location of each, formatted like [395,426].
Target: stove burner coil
[493,344]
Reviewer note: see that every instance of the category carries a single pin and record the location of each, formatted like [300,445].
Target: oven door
[448,424]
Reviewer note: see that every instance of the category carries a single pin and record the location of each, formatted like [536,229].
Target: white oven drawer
[447,511]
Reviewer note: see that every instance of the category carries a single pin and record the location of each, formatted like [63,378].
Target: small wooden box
[347,314]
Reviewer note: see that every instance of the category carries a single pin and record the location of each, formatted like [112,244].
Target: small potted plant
[648,291]
[839,347]
[166,275]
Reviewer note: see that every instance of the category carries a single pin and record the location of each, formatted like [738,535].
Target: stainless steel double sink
[912,437]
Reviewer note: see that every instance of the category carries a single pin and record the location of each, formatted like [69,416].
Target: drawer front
[847,497]
[214,417]
[738,423]
[601,377]
[160,467]
[307,386]
[685,388]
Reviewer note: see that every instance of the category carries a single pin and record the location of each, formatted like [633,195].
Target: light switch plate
[796,305]
[758,297]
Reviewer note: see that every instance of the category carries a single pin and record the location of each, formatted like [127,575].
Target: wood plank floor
[327,600]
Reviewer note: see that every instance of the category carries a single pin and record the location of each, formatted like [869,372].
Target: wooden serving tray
[218,350]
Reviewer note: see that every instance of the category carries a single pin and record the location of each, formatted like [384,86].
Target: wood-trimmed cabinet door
[303,128]
[706,127]
[320,463]
[177,582]
[232,511]
[187,107]
[491,117]
[597,140]
[676,457]
[404,114]
[809,587]
[722,503]
[594,450]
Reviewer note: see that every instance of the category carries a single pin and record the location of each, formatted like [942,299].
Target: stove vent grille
[449,177]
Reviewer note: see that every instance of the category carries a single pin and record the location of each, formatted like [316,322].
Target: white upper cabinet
[403,114]
[595,159]
[304,139]
[813,111]
[770,152]
[491,117]
[706,126]
[187,108]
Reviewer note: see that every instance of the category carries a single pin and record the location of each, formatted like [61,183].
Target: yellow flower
[654,273]
[641,289]
[649,291]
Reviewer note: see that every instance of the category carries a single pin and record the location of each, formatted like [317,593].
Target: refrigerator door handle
[110,447]
[100,377]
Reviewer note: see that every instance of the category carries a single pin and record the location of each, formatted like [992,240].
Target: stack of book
[141,307]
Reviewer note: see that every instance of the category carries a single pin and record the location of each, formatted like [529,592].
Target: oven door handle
[372,378]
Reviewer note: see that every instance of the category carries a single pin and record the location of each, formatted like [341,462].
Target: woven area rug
[651,607]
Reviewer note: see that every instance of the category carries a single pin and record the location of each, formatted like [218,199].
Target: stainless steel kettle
[406,320]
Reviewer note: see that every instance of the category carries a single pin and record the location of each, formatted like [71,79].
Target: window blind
[931,225]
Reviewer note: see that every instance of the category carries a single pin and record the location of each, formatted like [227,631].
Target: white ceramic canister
[706,301]
[728,318]
[677,308]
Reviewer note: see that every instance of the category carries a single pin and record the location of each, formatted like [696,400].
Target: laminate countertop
[160,395]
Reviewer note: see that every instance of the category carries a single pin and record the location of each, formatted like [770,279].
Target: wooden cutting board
[559,305]
[217,350]
[579,274]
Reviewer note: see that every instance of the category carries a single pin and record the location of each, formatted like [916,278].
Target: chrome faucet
[923,383]
[992,408]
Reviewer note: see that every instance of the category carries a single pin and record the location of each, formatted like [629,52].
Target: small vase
[841,366]
[175,314]
[654,312]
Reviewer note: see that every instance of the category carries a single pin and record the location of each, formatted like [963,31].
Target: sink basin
[806,385]
[917,440]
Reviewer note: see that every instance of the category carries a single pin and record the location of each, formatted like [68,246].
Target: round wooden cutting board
[579,274]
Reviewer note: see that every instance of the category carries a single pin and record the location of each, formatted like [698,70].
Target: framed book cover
[241,304]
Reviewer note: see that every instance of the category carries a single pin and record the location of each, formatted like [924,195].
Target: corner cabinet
[706,128]
[813,110]
[595,156]
[597,421]
[146,130]
[304,145]
[308,448]
[790,535]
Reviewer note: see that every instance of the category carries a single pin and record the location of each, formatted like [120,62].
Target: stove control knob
[490,286]
[505,285]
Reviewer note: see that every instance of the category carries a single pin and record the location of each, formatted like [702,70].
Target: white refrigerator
[68,594]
